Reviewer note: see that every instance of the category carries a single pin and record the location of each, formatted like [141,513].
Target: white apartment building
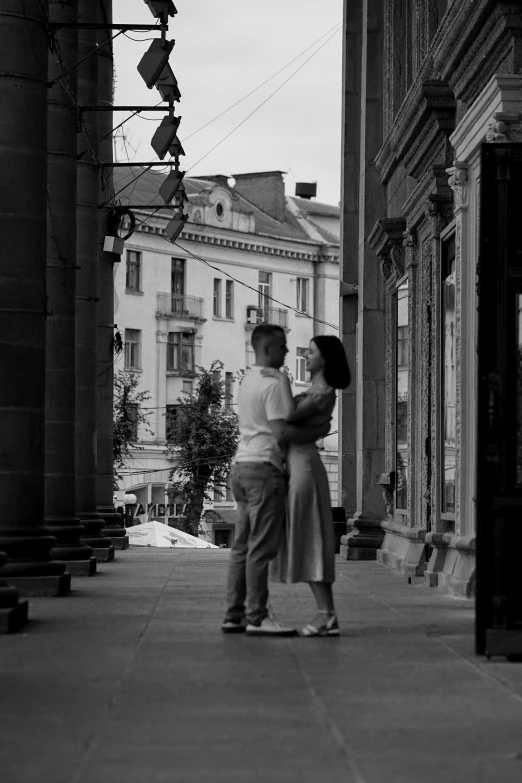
[176,312]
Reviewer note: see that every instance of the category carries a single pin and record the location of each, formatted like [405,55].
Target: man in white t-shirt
[258,483]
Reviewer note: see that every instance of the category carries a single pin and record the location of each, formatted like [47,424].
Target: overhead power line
[288,64]
[263,102]
[240,282]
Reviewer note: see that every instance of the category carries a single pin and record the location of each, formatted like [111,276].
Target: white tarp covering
[158,534]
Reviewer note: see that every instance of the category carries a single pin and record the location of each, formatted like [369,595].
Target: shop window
[402,399]
[449,385]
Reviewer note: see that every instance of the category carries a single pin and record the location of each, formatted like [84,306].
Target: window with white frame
[229,299]
[300,365]
[180,351]
[216,310]
[263,287]
[133,271]
[302,294]
[132,355]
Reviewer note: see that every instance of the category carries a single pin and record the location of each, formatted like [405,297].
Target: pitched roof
[138,186]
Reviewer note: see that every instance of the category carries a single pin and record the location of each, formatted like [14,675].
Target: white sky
[224,49]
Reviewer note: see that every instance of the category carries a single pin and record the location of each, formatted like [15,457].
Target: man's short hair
[264,332]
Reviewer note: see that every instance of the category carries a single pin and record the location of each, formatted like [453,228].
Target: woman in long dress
[308,551]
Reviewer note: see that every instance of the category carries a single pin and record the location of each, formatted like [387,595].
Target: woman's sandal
[328,628]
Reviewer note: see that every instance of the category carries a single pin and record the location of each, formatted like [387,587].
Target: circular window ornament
[220,210]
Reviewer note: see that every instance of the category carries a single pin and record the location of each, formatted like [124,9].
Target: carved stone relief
[505,126]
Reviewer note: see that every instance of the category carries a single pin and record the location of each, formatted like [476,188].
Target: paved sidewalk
[129,680]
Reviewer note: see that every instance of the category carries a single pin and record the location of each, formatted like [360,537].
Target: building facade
[247,255]
[427,84]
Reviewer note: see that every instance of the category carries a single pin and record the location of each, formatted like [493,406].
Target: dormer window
[220,210]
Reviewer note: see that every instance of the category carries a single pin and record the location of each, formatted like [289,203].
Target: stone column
[13,612]
[23,306]
[351,129]
[114,525]
[87,292]
[60,494]
[366,535]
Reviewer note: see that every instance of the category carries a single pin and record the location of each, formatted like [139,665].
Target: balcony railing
[258,314]
[179,306]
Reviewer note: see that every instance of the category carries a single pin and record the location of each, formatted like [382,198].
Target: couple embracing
[284,522]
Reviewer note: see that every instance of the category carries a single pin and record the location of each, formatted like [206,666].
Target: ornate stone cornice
[428,110]
[458,182]
[439,211]
[505,126]
[314,253]
[386,239]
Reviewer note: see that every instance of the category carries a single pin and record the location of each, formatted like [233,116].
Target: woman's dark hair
[336,370]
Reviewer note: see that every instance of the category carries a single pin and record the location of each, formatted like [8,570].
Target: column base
[104,554]
[81,567]
[363,541]
[13,612]
[42,586]
[114,526]
[14,617]
[403,549]
[452,564]
[121,543]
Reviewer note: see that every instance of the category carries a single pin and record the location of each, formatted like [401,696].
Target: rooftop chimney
[306,189]
[264,189]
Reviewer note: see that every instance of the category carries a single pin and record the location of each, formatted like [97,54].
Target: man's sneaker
[234,626]
[269,627]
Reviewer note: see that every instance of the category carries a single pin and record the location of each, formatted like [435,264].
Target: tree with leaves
[202,437]
[128,416]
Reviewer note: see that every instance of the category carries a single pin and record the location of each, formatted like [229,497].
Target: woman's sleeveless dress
[307,553]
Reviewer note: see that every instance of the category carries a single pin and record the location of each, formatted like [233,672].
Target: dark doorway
[499,435]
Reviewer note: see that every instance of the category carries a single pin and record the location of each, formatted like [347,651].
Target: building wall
[450,82]
[228,340]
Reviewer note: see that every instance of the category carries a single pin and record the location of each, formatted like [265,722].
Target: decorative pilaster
[465,355]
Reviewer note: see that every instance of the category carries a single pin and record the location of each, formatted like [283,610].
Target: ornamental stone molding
[386,239]
[458,182]
[504,126]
